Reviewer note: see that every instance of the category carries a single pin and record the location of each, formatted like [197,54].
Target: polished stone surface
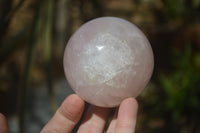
[108,59]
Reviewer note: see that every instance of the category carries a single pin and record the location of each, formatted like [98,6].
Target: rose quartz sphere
[107,60]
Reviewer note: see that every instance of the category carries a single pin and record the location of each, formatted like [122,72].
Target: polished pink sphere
[107,60]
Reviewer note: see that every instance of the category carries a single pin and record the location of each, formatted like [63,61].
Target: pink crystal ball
[107,60]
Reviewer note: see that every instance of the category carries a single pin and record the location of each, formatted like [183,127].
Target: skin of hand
[3,124]
[94,120]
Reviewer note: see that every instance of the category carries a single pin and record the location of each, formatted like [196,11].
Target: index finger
[67,116]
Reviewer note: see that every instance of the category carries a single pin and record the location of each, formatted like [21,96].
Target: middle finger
[94,120]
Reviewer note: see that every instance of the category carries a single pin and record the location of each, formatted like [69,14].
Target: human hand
[94,121]
[3,124]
